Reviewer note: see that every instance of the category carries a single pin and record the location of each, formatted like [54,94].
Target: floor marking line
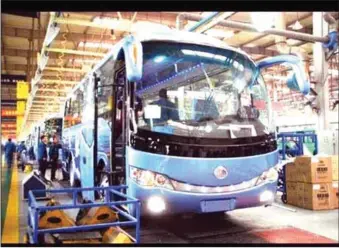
[10,233]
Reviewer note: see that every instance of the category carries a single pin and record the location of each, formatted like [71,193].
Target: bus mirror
[298,80]
[133,59]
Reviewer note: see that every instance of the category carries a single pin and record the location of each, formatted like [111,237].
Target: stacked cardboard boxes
[312,182]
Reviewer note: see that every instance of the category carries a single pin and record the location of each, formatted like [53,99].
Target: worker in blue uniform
[21,147]
[42,155]
[9,152]
[169,110]
[54,156]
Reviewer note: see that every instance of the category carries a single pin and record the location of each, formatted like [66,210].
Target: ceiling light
[297,25]
[96,45]
[111,22]
[220,33]
[263,20]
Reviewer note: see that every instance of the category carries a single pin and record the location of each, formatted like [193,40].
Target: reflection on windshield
[202,92]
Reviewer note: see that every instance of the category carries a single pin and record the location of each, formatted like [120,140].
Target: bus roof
[170,35]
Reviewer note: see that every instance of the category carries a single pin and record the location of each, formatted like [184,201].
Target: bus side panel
[104,142]
[81,153]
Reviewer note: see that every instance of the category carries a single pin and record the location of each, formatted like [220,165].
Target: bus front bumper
[162,201]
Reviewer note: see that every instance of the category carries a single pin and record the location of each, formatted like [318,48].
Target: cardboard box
[316,169]
[335,168]
[291,172]
[334,196]
[317,196]
[291,191]
[300,195]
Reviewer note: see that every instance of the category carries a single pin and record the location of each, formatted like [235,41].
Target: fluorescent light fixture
[220,33]
[112,22]
[159,58]
[206,13]
[96,45]
[52,32]
[43,61]
[263,20]
[203,54]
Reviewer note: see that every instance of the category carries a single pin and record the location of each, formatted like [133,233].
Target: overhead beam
[76,37]
[65,69]
[50,97]
[259,51]
[77,52]
[22,52]
[20,67]
[54,90]
[60,82]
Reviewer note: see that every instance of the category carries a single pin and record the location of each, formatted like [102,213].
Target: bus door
[110,111]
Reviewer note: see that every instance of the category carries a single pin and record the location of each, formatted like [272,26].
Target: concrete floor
[204,229]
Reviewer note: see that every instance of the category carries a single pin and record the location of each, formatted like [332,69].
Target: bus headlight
[156,204]
[266,196]
[271,176]
[149,179]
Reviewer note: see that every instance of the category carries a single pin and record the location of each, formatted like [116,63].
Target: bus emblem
[220,172]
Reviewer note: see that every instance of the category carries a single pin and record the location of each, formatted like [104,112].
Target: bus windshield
[198,91]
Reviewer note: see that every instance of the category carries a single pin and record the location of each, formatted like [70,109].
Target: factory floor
[279,223]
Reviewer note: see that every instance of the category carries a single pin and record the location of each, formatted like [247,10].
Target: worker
[31,154]
[42,155]
[9,152]
[21,147]
[168,109]
[54,156]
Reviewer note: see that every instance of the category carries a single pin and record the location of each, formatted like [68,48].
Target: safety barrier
[37,212]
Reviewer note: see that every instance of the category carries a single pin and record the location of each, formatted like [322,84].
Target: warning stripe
[10,232]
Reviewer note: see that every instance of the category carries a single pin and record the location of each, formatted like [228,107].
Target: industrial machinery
[36,182]
[292,144]
[181,118]
[97,222]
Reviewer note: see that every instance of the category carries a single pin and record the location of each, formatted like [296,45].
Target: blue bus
[181,118]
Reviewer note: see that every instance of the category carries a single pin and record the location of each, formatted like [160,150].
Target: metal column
[320,28]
